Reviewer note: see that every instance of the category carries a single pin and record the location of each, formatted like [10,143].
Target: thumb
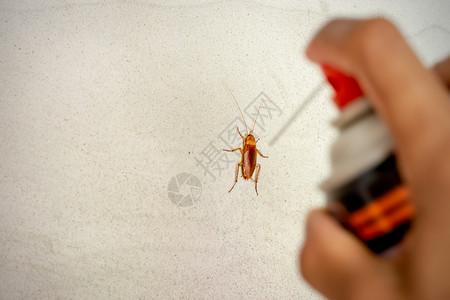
[338,265]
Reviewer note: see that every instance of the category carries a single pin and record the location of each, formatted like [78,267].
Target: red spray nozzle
[347,89]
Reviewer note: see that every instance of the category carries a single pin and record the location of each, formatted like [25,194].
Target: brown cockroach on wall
[248,151]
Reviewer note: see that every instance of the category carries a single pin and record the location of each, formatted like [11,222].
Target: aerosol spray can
[365,191]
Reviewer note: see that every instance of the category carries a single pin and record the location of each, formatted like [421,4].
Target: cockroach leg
[240,133]
[261,154]
[237,174]
[240,149]
[256,178]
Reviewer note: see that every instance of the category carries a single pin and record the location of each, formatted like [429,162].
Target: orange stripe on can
[387,223]
[383,214]
[379,206]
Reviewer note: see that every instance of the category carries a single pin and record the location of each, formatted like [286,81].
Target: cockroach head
[251,139]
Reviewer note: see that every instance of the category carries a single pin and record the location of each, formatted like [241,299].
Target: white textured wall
[102,103]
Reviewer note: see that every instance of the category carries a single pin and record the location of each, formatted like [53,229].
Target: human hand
[415,105]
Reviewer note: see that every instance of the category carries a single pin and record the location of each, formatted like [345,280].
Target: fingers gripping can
[365,191]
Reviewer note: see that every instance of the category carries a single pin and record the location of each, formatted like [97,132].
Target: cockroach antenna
[245,123]
[262,101]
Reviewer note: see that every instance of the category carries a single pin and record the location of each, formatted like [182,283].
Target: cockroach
[248,151]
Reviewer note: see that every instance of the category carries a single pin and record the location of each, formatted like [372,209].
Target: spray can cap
[347,89]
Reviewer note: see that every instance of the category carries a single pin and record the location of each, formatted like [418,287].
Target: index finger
[409,97]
